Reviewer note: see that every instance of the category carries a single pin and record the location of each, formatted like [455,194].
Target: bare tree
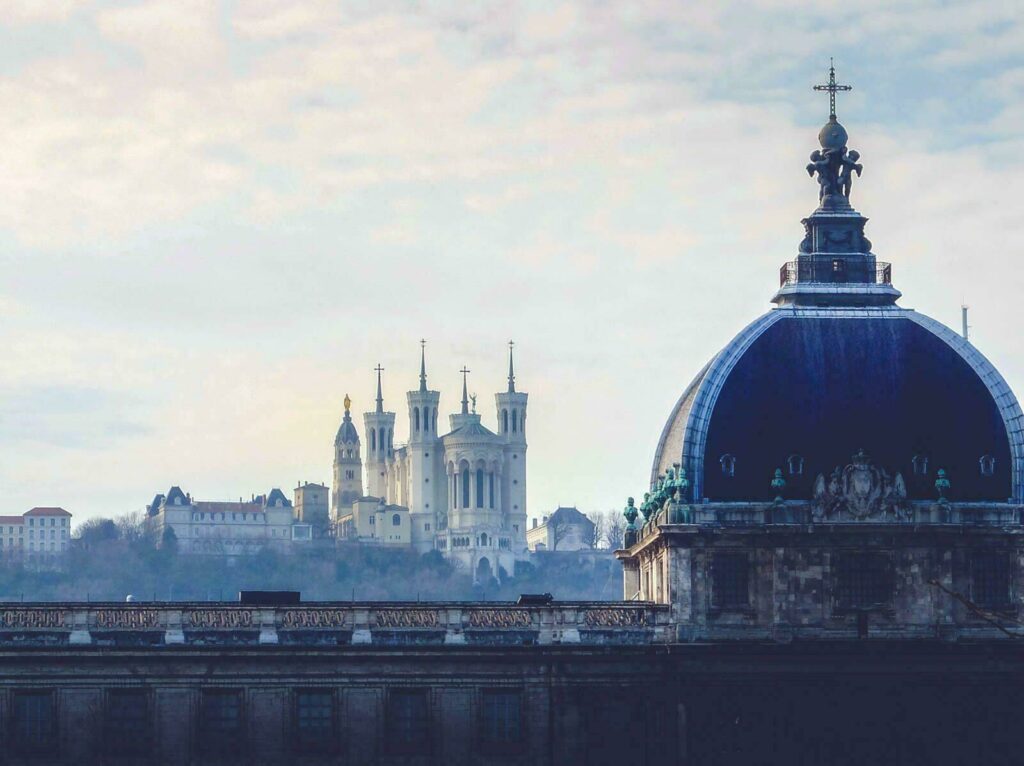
[560,530]
[131,526]
[615,530]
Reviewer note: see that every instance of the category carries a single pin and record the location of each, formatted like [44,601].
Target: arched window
[987,464]
[465,489]
[514,424]
[920,464]
[396,520]
[416,417]
[479,487]
[490,490]
[435,420]
[796,465]
[391,441]
[483,539]
[455,490]
[728,463]
[504,421]
[373,440]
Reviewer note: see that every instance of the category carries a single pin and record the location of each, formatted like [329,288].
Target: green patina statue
[630,513]
[942,485]
[778,485]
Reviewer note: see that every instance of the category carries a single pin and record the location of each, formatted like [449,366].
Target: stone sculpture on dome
[834,164]
[861,491]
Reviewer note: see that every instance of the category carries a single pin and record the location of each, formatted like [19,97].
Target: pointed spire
[380,396]
[511,369]
[465,391]
[423,365]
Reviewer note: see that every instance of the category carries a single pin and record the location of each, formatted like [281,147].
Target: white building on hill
[463,492]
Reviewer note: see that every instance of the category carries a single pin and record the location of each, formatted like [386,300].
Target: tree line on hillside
[112,558]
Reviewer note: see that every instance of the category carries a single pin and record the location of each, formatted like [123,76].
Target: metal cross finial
[380,397]
[832,88]
[465,391]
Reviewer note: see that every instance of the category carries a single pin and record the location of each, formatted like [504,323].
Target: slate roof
[823,383]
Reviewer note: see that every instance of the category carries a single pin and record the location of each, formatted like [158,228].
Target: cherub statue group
[835,168]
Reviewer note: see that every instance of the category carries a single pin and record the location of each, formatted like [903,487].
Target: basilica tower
[511,406]
[380,435]
[425,462]
[348,465]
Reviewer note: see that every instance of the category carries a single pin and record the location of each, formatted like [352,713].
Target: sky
[216,218]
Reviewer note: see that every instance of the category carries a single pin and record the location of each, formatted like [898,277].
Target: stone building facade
[40,534]
[225,527]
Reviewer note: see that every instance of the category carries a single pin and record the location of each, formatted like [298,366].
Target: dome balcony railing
[835,270]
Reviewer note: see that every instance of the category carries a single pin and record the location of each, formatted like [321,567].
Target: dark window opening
[990,579]
[126,727]
[730,580]
[728,463]
[502,718]
[796,465]
[34,723]
[407,724]
[920,464]
[862,580]
[314,721]
[220,722]
[987,465]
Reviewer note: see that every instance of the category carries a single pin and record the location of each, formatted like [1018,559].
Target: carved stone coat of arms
[861,491]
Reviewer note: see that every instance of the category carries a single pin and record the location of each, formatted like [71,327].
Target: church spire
[511,369]
[380,396]
[423,365]
[465,391]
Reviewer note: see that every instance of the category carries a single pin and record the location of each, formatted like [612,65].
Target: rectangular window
[34,723]
[730,580]
[314,721]
[990,579]
[502,719]
[126,726]
[220,722]
[407,725]
[862,580]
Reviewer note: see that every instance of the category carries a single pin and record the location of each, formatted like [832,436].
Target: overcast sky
[217,217]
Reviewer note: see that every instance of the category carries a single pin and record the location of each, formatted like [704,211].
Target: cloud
[216,219]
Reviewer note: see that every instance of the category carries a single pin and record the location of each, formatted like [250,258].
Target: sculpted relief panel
[861,491]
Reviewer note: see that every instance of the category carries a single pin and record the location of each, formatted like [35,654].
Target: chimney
[534,522]
[544,520]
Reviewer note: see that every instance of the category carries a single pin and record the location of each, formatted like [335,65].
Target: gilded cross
[832,88]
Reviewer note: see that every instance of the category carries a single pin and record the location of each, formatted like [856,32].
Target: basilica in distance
[462,492]
[827,567]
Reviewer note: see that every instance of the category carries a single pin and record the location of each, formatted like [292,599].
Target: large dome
[818,384]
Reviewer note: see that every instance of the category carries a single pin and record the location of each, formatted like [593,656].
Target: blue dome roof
[822,383]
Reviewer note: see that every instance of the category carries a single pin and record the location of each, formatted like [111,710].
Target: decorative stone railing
[339,623]
[801,512]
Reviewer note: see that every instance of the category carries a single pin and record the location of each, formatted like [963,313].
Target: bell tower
[511,406]
[425,461]
[348,466]
[380,438]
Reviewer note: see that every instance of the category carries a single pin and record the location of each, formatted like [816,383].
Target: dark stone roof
[277,496]
[824,383]
[347,433]
[568,516]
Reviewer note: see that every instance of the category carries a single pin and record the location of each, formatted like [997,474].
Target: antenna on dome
[963,318]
